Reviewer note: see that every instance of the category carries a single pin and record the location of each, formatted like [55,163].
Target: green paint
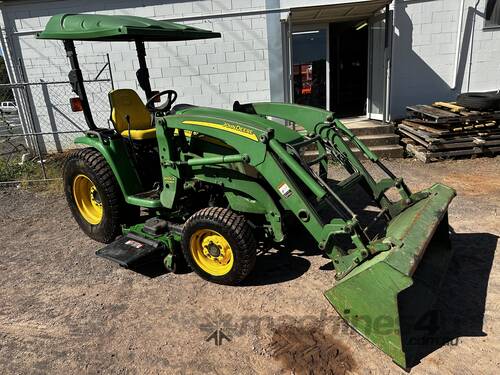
[383,283]
[385,297]
[115,152]
[223,159]
[99,27]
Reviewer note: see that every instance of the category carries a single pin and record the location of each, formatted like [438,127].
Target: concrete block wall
[216,72]
[424,52]
[213,72]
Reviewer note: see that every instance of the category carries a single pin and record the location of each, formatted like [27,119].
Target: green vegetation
[12,170]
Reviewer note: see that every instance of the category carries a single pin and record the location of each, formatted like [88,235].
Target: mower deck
[132,250]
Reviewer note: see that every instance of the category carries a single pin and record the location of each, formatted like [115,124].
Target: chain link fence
[37,125]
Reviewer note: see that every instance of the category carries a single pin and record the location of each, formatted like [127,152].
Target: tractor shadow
[288,261]
[156,268]
[277,266]
[459,310]
[150,270]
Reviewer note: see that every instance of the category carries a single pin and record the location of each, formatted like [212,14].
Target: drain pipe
[473,33]
[459,44]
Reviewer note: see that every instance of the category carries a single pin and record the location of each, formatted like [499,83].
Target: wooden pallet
[452,132]
[452,106]
[455,144]
[446,130]
[450,140]
[438,115]
[427,156]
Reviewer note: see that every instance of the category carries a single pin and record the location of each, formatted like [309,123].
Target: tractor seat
[126,102]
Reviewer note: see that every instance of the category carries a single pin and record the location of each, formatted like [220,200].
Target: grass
[30,172]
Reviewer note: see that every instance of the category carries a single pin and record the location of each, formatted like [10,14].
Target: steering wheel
[165,107]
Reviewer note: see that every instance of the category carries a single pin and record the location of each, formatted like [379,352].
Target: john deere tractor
[177,183]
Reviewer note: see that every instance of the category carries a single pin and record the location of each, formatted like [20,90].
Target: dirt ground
[63,310]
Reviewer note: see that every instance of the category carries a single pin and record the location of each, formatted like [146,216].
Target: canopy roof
[118,28]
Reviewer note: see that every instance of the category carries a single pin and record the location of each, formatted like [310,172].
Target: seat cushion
[138,135]
[127,106]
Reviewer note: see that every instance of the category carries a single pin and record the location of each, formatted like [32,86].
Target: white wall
[237,66]
[424,48]
[213,72]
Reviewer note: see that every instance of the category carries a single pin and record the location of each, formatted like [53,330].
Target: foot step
[151,195]
[132,251]
[150,199]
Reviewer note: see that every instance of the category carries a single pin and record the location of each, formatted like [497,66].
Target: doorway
[310,66]
[338,58]
[349,68]
[330,67]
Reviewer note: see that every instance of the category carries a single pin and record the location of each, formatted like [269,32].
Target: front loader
[181,183]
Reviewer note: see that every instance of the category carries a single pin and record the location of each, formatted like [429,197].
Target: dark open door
[348,67]
[364,56]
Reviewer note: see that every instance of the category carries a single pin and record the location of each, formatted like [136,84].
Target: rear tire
[94,197]
[219,245]
[480,101]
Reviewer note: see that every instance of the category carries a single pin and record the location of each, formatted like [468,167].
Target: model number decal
[169,179]
[285,190]
[135,244]
[231,128]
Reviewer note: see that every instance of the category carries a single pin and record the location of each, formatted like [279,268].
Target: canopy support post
[143,72]
[76,79]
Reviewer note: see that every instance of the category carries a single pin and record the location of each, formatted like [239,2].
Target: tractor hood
[254,123]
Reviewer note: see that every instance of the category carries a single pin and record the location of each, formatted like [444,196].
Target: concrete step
[386,152]
[369,128]
[379,139]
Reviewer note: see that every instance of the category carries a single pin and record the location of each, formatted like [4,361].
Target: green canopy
[118,28]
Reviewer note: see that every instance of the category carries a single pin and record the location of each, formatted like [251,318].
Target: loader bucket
[386,298]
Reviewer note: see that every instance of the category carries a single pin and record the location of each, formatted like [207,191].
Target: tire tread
[96,162]
[242,235]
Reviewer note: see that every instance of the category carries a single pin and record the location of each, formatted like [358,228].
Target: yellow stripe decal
[235,129]
[187,133]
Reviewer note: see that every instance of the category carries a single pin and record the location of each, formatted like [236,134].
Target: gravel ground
[63,310]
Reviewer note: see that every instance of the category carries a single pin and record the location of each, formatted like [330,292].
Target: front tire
[94,197]
[219,245]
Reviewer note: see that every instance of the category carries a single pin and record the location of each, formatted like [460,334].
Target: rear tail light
[158,98]
[76,104]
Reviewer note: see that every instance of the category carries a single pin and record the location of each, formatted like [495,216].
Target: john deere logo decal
[231,128]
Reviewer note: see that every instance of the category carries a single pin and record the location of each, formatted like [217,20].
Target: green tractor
[182,183]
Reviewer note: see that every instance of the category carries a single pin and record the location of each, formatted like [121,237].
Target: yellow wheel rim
[211,252]
[87,199]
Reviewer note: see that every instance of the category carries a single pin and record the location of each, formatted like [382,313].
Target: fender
[244,195]
[113,151]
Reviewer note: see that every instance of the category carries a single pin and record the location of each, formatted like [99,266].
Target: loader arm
[393,279]
[322,123]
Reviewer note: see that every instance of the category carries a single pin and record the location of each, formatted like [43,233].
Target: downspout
[473,33]
[459,39]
